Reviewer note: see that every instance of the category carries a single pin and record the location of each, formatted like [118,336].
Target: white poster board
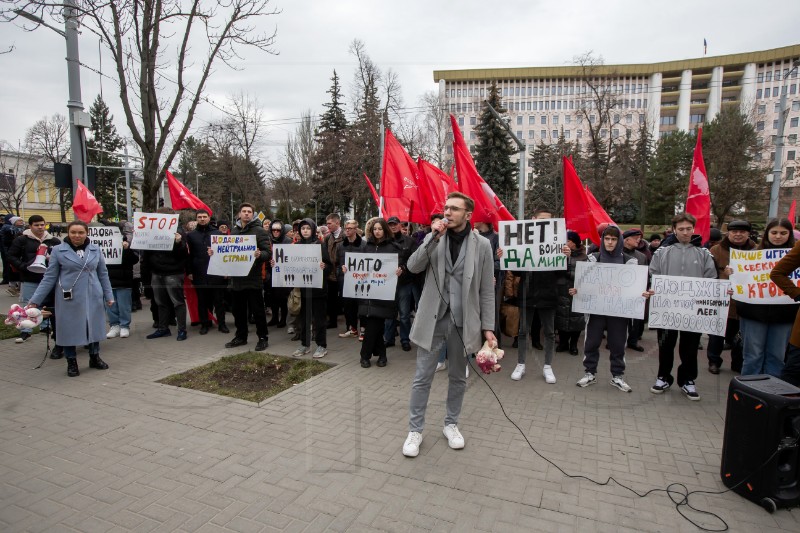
[154,231]
[109,239]
[530,245]
[689,304]
[297,265]
[233,255]
[372,277]
[751,276]
[610,289]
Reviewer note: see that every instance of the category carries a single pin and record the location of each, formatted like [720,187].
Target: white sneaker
[290,330]
[619,382]
[124,333]
[587,379]
[320,352]
[454,438]
[441,366]
[301,351]
[518,372]
[411,445]
[690,390]
[549,377]
[348,334]
[113,332]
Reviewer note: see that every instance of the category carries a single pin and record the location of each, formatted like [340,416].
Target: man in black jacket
[405,289]
[246,295]
[210,289]
[167,270]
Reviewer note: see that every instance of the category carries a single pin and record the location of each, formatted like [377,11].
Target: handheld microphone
[437,233]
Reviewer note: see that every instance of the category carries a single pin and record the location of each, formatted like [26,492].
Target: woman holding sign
[313,309]
[766,328]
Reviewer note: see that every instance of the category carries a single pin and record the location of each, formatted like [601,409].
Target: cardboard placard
[233,255]
[610,289]
[109,239]
[297,265]
[154,231]
[751,276]
[690,304]
[369,276]
[531,245]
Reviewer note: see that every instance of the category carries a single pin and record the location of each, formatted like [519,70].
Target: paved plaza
[115,451]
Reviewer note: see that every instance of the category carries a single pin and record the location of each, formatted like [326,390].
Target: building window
[668,121]
[762,108]
[529,105]
[790,155]
[519,120]
[697,119]
[629,119]
[778,107]
[760,125]
[793,88]
[768,76]
[516,92]
[777,75]
[758,94]
[460,121]
[547,105]
[566,134]
[579,134]
[641,118]
[473,121]
[555,120]
[543,119]
[603,132]
[614,133]
[760,77]
[530,134]
[775,124]
[483,92]
[568,119]
[790,173]
[793,122]
[519,134]
[554,134]
[766,92]
[531,120]
[543,134]
[473,136]
[792,138]
[591,119]
[796,105]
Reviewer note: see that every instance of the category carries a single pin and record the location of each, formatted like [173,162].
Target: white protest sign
[530,245]
[154,231]
[690,304]
[751,276]
[297,265]
[369,276]
[233,255]
[610,289]
[109,239]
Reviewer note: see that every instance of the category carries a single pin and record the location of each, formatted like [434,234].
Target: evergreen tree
[102,148]
[668,178]
[494,150]
[546,183]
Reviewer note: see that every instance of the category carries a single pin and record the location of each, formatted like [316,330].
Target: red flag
[181,197]
[85,205]
[792,212]
[698,201]
[437,183]
[396,206]
[488,207]
[577,207]
[400,180]
[373,191]
[598,213]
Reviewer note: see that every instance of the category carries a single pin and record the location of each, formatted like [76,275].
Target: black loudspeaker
[761,446]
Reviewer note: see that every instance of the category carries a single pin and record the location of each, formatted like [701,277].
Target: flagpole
[380,182]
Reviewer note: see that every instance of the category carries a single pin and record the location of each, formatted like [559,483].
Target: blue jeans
[26,291]
[70,353]
[405,299]
[119,314]
[764,346]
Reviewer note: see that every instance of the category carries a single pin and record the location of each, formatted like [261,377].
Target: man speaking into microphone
[456,308]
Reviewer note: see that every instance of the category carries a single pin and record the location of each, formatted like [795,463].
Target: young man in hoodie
[22,253]
[210,289]
[685,257]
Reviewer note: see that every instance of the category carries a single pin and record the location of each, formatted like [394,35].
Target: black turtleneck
[456,239]
[79,249]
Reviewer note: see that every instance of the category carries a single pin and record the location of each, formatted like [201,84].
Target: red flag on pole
[85,206]
[698,201]
[577,207]
[400,180]
[373,191]
[438,185]
[181,197]
[488,207]
[598,213]
[792,212]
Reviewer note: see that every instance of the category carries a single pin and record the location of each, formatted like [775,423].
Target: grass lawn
[251,376]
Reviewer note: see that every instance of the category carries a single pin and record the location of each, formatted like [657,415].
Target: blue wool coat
[83,319]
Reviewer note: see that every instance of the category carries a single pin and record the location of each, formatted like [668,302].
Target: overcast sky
[414,38]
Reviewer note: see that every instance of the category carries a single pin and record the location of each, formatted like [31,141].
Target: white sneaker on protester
[290,330]
[454,438]
[113,332]
[301,351]
[660,386]
[411,445]
[124,333]
[441,366]
[320,352]
[587,379]
[518,372]
[690,390]
[619,382]
[549,376]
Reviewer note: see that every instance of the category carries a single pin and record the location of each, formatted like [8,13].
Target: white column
[684,100]
[654,104]
[715,94]
[747,98]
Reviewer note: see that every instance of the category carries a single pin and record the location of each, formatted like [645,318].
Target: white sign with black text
[109,239]
[372,277]
[233,255]
[154,231]
[610,289]
[690,304]
[531,245]
[297,265]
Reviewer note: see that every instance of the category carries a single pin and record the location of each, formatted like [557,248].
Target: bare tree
[300,150]
[161,91]
[49,138]
[19,171]
[435,125]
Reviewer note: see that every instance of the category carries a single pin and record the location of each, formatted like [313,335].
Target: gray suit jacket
[477,289]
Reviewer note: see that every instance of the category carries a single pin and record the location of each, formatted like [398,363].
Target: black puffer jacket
[198,242]
[316,294]
[379,308]
[566,320]
[167,263]
[253,279]
[121,276]
[407,246]
[357,246]
[542,289]
[23,252]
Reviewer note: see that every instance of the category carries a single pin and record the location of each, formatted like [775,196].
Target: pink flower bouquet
[488,357]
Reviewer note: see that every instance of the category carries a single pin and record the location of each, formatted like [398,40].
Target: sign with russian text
[233,255]
[368,276]
[690,304]
[610,289]
[530,245]
[751,276]
[109,239]
[154,231]
[297,265]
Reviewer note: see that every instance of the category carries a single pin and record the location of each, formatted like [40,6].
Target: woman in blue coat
[77,275]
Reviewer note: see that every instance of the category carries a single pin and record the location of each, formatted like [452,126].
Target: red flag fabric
[181,197]
[488,207]
[698,201]
[437,184]
[577,207]
[792,212]
[85,206]
[400,180]
[373,191]
[598,213]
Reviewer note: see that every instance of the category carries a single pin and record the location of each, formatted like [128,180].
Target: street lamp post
[777,171]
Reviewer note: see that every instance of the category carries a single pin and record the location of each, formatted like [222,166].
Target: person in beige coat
[456,308]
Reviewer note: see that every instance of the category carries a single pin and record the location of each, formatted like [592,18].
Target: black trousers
[791,370]
[716,343]
[616,327]
[351,313]
[373,338]
[635,331]
[312,311]
[210,300]
[247,302]
[687,350]
[278,302]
